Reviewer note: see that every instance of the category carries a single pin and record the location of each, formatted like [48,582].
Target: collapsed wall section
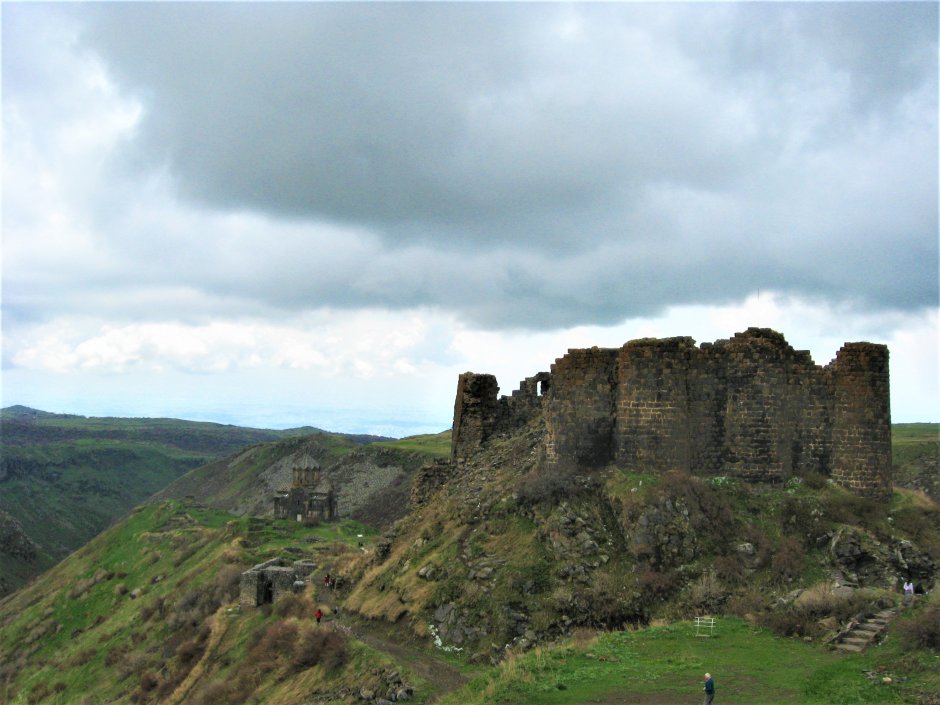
[475,413]
[480,414]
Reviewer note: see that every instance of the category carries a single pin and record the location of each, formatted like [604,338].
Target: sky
[286,214]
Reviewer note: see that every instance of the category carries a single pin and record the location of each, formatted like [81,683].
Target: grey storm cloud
[543,164]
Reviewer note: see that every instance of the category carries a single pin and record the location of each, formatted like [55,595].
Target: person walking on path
[709,689]
[318,615]
[908,592]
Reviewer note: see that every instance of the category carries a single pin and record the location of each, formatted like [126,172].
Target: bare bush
[227,582]
[319,646]
[298,606]
[922,631]
[657,585]
[707,594]
[730,569]
[277,640]
[787,562]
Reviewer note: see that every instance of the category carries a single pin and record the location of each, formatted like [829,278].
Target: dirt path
[398,642]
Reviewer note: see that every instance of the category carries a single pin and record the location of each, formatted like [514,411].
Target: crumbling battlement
[750,407]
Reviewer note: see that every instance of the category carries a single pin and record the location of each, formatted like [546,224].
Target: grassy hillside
[147,613]
[65,478]
[505,551]
[915,449]
[372,481]
[665,664]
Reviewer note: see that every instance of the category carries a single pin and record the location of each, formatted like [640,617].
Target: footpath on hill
[395,641]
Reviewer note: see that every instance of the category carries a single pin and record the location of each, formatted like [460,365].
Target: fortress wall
[476,413]
[810,407]
[652,422]
[580,415]
[861,420]
[751,407]
[520,406]
[757,426]
[708,394]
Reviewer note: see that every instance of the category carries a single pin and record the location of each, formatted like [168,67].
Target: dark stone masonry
[750,407]
[310,499]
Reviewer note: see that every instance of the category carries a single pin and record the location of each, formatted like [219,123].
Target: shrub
[227,582]
[297,606]
[789,622]
[149,681]
[657,585]
[319,646]
[805,616]
[729,569]
[609,605]
[114,656]
[39,692]
[848,508]
[213,694]
[814,480]
[750,602]
[155,607]
[922,631]
[707,594]
[276,640]
[787,562]
[800,519]
[188,651]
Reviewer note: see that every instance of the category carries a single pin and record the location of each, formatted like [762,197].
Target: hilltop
[556,547]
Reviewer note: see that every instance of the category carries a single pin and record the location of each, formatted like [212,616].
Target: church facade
[310,499]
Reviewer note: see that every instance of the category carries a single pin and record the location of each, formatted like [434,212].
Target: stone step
[849,647]
[868,629]
[856,640]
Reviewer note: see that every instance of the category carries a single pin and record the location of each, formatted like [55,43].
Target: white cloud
[238,207]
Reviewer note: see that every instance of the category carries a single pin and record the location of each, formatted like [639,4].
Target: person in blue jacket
[709,689]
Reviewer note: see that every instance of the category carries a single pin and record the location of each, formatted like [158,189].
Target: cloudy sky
[279,214]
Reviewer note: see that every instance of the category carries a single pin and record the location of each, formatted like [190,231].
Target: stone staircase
[862,631]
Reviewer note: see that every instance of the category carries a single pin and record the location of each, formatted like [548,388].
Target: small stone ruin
[268,582]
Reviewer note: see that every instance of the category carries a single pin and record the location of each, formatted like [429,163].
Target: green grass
[66,634]
[436,445]
[666,664]
[911,442]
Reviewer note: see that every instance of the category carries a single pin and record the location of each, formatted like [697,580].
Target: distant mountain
[64,478]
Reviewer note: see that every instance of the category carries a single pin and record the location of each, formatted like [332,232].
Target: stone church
[310,498]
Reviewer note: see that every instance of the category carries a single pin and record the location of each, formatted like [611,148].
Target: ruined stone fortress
[750,407]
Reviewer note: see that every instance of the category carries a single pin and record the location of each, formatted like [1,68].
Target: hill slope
[64,478]
[915,449]
[372,481]
[504,550]
[147,612]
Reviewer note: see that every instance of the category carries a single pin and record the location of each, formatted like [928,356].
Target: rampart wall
[751,407]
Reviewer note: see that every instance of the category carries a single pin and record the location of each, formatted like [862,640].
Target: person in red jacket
[318,614]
